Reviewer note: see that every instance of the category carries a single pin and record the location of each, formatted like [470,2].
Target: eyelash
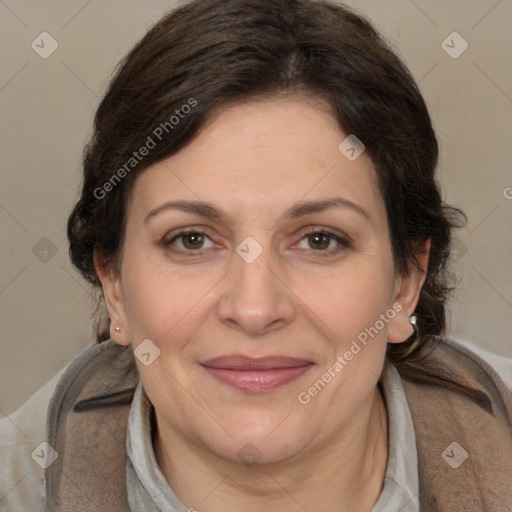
[342,241]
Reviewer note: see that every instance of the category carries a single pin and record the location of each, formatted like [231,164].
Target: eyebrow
[301,209]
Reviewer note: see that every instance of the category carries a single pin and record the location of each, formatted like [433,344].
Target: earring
[117,329]
[413,341]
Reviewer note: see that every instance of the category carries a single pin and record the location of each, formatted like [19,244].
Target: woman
[261,214]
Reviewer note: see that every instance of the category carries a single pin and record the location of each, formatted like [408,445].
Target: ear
[406,293]
[114,300]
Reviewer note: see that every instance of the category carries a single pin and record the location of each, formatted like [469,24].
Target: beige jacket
[464,443]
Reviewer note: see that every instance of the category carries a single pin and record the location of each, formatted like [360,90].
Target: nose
[256,298]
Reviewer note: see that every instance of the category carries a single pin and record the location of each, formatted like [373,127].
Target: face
[251,288]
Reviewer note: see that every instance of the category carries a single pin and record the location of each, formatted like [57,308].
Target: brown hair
[210,53]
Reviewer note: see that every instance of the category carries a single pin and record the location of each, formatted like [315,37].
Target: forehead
[262,154]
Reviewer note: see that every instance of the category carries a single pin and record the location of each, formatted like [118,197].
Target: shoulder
[501,364]
[21,434]
[24,443]
[25,434]
[473,366]
[456,392]
[456,371]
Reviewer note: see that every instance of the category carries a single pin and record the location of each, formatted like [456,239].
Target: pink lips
[256,375]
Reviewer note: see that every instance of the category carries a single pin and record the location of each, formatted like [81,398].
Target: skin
[253,161]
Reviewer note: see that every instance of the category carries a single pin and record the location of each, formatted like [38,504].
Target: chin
[267,441]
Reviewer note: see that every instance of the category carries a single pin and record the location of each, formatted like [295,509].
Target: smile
[256,375]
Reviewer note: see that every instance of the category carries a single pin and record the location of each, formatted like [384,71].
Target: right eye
[190,241]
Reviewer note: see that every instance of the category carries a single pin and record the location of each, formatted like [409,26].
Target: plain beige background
[47,107]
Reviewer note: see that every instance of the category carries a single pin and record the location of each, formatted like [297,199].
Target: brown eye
[324,242]
[189,242]
[192,240]
[319,241]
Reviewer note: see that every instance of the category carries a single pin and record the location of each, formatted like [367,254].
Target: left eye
[324,241]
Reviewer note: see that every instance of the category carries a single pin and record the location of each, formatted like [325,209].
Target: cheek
[347,301]
[352,313]
[160,301]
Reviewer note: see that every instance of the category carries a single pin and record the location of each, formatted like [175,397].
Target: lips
[240,362]
[256,374]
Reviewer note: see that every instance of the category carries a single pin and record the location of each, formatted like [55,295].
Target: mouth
[256,374]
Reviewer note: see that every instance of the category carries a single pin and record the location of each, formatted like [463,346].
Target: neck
[344,475]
